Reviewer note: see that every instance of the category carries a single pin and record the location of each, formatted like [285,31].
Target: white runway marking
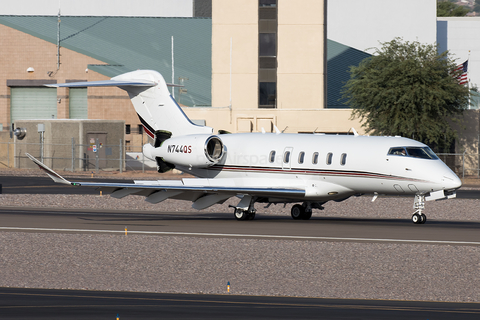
[233,235]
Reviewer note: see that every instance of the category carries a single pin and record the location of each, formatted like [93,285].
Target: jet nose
[452,182]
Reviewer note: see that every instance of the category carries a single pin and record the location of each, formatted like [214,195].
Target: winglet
[52,174]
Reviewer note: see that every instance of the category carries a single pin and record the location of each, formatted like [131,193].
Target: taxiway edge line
[234,235]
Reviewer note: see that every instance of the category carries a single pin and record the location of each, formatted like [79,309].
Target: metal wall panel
[33,103]
[78,105]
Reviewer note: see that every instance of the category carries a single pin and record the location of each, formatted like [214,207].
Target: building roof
[339,60]
[132,43]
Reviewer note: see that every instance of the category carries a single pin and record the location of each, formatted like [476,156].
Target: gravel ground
[253,267]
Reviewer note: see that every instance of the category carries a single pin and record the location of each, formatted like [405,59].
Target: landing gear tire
[419,218]
[297,212]
[416,218]
[307,215]
[240,214]
[423,218]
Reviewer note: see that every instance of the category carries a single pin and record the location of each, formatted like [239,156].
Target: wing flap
[203,192]
[210,200]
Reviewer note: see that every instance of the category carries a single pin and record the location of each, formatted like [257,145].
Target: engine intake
[214,149]
[200,151]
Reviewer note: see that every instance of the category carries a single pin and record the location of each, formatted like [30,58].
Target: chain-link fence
[76,157]
[463,164]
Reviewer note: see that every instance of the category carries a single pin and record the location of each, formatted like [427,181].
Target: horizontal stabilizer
[104,83]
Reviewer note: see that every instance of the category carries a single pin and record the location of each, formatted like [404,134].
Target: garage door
[33,103]
[78,103]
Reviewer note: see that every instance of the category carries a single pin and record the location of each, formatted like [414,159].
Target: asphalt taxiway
[21,303]
[224,226]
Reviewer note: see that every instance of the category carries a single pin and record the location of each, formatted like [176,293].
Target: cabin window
[286,157]
[301,157]
[414,152]
[315,158]
[329,158]
[343,159]
[272,156]
[397,151]
[423,153]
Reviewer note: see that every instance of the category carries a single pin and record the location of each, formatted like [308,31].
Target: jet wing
[203,192]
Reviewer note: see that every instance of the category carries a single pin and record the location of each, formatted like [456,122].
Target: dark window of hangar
[267,94]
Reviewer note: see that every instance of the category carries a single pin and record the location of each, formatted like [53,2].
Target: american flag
[462,78]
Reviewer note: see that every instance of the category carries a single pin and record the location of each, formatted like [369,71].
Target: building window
[301,157]
[140,129]
[329,158]
[127,129]
[267,94]
[267,53]
[267,44]
[267,3]
[272,156]
[315,158]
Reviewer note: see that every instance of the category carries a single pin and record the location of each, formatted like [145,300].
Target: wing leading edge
[202,192]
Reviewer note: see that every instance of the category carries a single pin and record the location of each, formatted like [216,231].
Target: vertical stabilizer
[156,108]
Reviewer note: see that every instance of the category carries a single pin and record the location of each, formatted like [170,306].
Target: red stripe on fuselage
[312,172]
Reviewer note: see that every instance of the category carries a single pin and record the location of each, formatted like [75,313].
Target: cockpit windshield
[414,152]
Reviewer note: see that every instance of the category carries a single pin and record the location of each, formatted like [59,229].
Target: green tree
[476,6]
[407,89]
[447,8]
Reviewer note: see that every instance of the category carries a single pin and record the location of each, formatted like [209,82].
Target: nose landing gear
[419,205]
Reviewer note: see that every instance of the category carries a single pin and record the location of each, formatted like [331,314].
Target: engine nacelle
[199,150]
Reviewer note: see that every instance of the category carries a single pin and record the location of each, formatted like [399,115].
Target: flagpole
[468,80]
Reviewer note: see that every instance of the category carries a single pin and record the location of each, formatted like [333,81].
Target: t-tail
[158,111]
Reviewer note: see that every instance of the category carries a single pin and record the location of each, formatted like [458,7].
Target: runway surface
[224,225]
[75,304]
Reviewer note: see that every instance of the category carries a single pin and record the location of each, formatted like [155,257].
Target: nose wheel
[419,218]
[419,205]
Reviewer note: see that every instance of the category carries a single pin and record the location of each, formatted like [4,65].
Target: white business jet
[307,170]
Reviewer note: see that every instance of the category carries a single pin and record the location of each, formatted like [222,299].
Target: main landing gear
[245,209]
[241,214]
[300,212]
[419,205]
